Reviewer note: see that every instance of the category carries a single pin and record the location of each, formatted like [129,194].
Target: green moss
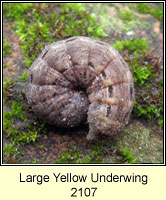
[146,9]
[133,46]
[17,135]
[99,150]
[26,137]
[141,73]
[15,112]
[15,11]
[6,48]
[7,124]
[73,156]
[9,150]
[34,161]
[70,156]
[11,153]
[137,48]
[94,157]
[24,76]
[37,24]
[132,146]
[126,15]
[157,13]
[41,146]
[149,112]
[128,155]
[139,144]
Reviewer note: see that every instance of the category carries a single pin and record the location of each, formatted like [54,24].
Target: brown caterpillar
[79,78]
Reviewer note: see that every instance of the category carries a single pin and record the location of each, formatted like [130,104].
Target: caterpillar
[78,79]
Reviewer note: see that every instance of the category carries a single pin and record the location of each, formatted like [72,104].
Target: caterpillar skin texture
[80,78]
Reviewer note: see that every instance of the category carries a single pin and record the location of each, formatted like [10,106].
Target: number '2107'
[87,192]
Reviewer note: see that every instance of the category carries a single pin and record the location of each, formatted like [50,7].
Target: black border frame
[82,165]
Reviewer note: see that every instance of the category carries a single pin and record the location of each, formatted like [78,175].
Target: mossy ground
[142,142]
[28,27]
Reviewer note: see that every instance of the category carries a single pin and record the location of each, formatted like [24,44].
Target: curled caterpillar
[80,78]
